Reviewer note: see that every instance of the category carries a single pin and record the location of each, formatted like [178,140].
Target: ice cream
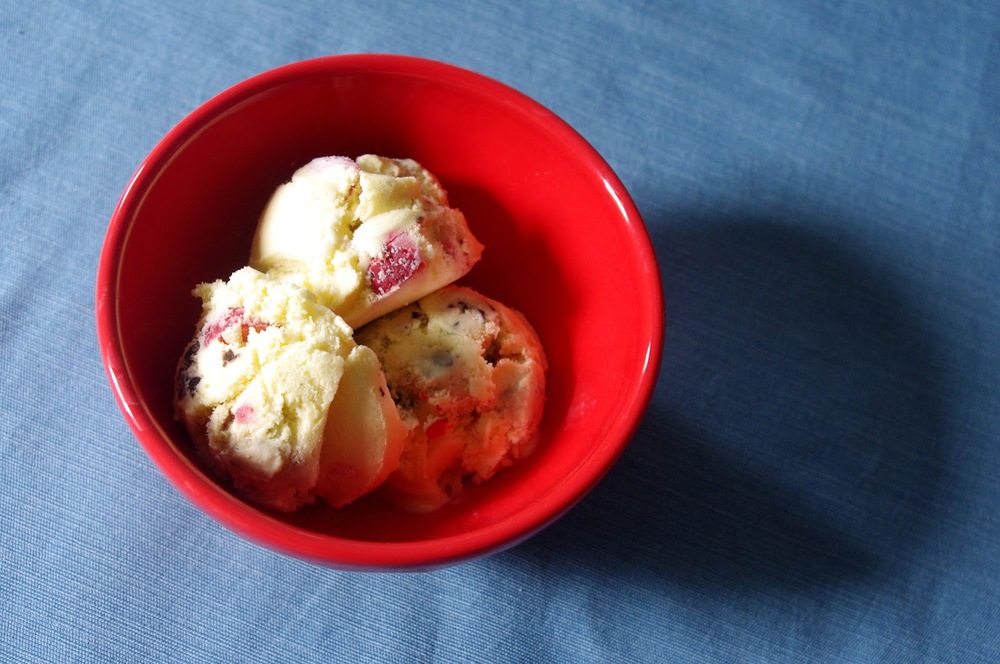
[468,376]
[364,434]
[271,386]
[342,360]
[367,236]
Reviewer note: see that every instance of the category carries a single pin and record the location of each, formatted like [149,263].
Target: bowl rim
[331,550]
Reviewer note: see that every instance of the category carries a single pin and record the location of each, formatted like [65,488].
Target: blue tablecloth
[817,476]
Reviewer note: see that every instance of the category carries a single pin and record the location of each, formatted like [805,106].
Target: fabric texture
[817,476]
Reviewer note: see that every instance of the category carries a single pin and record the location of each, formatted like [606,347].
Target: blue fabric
[817,477]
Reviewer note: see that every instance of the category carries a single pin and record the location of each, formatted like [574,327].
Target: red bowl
[564,244]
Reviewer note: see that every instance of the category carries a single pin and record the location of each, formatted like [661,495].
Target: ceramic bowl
[564,244]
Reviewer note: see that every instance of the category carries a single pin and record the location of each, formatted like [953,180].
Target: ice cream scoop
[270,386]
[468,376]
[367,236]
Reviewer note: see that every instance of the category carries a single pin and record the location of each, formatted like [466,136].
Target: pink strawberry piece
[244,413]
[233,317]
[398,261]
[216,329]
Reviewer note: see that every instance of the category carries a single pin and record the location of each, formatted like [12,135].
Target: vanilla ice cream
[258,388]
[367,236]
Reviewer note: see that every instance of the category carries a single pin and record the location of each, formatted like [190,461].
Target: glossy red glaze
[564,244]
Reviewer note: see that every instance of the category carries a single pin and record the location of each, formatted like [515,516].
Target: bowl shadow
[795,439]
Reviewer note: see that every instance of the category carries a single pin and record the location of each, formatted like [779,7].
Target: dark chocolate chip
[189,354]
[492,354]
[443,358]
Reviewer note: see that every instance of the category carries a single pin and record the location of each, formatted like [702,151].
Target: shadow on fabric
[794,439]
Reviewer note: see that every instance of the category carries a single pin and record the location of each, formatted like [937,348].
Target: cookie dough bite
[366,236]
[468,376]
[255,389]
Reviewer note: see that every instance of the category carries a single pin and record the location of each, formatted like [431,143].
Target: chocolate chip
[189,354]
[492,354]
[443,359]
[402,399]
[228,356]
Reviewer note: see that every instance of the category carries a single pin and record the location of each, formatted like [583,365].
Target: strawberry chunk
[398,261]
[244,413]
[216,329]
[235,316]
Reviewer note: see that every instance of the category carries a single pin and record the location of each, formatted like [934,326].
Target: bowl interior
[564,245]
